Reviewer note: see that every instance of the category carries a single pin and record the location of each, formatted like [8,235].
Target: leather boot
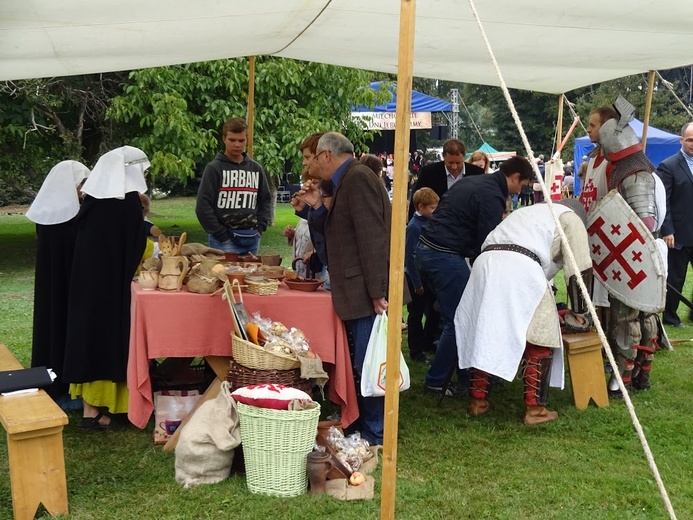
[643,365]
[536,374]
[478,407]
[539,415]
[478,390]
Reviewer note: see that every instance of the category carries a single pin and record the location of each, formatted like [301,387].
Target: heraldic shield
[625,255]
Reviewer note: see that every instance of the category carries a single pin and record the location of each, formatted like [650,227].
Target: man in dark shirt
[470,210]
[442,175]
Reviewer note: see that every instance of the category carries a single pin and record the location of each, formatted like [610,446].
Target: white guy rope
[573,264]
[472,120]
[667,84]
[572,111]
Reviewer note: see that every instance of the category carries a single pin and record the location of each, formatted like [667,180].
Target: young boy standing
[421,337]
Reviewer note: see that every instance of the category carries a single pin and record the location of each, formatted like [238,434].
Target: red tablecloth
[183,324]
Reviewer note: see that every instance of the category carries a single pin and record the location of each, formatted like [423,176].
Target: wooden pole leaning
[251,104]
[648,108]
[559,123]
[405,68]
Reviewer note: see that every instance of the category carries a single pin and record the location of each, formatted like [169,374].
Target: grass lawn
[586,465]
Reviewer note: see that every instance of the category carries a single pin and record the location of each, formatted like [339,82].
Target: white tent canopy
[541,45]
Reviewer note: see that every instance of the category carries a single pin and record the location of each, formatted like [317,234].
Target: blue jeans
[371,409]
[447,275]
[242,246]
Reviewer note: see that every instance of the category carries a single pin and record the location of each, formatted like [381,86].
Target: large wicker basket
[249,354]
[253,356]
[240,376]
[276,444]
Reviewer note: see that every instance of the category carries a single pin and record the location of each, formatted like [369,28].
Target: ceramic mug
[169,427]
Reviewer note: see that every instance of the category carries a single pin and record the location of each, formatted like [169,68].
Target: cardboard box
[342,490]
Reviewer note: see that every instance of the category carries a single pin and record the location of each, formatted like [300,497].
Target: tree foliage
[44,121]
[175,114]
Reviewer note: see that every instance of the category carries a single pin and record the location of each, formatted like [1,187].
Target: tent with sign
[383,117]
[660,145]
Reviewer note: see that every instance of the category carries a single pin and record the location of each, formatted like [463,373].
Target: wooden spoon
[181,242]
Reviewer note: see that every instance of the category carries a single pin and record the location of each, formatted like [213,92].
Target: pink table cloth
[183,324]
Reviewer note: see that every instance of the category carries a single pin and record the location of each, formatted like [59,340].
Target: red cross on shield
[625,255]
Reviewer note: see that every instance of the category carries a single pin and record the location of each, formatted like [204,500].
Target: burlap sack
[205,448]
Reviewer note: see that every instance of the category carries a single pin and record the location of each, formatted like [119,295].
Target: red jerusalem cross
[616,253]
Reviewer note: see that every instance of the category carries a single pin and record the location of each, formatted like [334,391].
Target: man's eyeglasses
[318,155]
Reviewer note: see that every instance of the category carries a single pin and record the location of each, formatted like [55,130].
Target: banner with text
[388,120]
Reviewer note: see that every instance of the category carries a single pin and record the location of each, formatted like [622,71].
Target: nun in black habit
[53,211]
[109,246]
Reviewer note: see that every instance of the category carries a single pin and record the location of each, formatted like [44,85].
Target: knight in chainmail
[632,333]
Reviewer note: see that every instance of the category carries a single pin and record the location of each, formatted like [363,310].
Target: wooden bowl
[271,259]
[304,285]
[231,257]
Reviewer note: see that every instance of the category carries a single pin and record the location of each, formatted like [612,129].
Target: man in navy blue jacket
[470,210]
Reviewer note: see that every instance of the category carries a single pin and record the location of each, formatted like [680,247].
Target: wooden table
[183,324]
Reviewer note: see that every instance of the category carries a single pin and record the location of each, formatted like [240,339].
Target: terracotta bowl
[304,285]
[236,276]
[231,257]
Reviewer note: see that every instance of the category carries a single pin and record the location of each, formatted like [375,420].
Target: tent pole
[405,66]
[648,108]
[559,124]
[251,104]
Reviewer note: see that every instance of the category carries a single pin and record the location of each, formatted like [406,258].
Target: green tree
[175,113]
[44,121]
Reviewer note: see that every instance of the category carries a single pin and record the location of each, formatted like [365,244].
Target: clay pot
[318,466]
[148,280]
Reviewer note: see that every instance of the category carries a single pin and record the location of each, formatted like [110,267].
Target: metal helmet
[616,134]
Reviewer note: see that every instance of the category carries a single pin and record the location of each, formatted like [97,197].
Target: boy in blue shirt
[421,337]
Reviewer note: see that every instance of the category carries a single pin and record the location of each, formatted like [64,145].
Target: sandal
[92,423]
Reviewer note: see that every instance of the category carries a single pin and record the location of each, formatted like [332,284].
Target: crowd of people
[468,310]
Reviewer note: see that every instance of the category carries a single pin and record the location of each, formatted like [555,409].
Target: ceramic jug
[318,465]
[173,271]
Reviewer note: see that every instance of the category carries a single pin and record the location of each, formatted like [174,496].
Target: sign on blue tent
[383,117]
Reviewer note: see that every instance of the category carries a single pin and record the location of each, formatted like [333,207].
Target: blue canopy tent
[660,145]
[420,102]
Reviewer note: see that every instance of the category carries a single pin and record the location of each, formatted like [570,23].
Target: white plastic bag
[373,373]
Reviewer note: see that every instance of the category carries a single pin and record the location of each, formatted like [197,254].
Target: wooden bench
[34,426]
[584,352]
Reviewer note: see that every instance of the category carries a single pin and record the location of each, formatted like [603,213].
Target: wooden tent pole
[405,67]
[251,104]
[559,124]
[648,108]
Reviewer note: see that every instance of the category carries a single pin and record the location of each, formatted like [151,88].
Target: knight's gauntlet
[577,302]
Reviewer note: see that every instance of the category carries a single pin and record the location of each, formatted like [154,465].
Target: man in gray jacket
[234,200]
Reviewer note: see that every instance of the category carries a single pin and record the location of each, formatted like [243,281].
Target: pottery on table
[148,280]
[173,271]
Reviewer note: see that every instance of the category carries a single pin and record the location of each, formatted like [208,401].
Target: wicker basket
[276,444]
[240,376]
[262,288]
[249,354]
[253,356]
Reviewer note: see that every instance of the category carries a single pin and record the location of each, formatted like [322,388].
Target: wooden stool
[586,367]
[34,425]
